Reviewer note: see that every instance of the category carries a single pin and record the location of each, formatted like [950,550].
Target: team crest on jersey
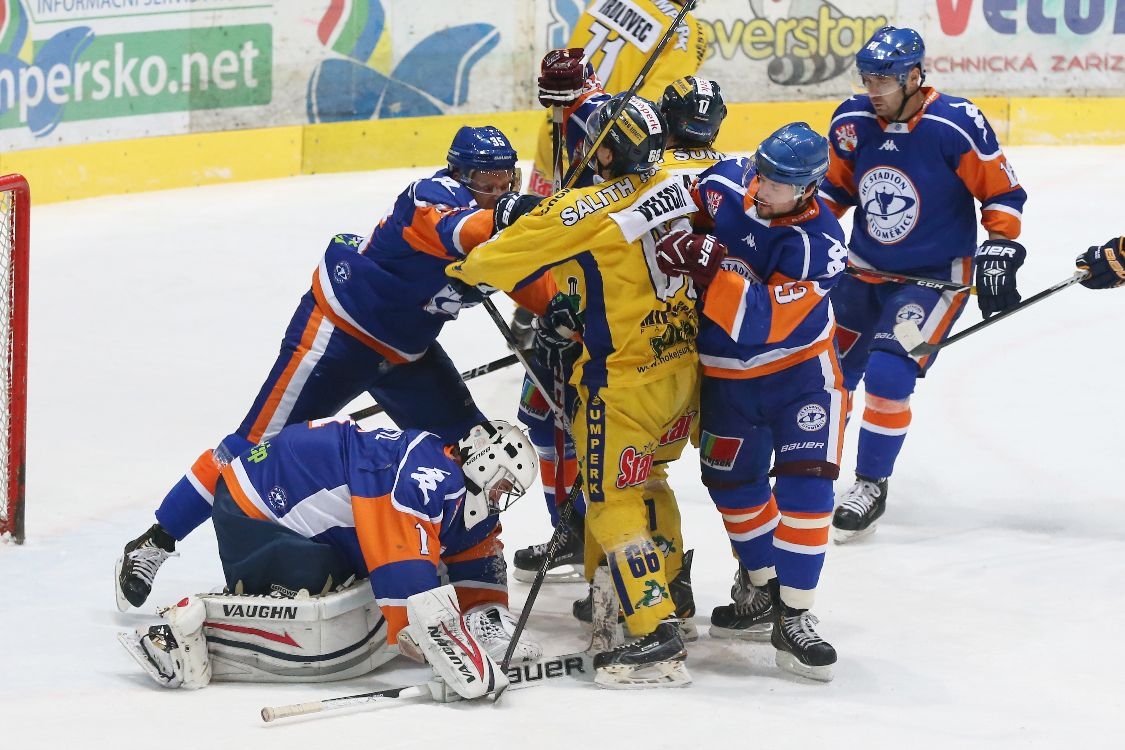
[846,138]
[890,200]
[653,595]
[714,200]
[718,452]
[277,500]
[341,272]
[812,417]
[912,313]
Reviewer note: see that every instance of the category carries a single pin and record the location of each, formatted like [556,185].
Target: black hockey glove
[557,335]
[997,261]
[1105,264]
[511,206]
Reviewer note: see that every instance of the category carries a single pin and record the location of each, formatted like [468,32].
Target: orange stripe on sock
[815,536]
[897,421]
[762,515]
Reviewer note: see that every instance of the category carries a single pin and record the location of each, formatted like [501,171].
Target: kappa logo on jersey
[276,499]
[890,200]
[912,313]
[812,417]
[633,467]
[428,479]
[718,452]
[888,145]
[680,430]
[846,138]
[341,272]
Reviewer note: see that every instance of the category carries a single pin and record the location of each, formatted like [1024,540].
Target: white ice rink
[984,613]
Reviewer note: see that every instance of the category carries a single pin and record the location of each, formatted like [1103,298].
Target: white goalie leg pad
[493,626]
[174,654]
[304,639]
[451,649]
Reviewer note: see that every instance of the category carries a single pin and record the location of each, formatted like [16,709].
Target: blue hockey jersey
[389,501]
[913,185]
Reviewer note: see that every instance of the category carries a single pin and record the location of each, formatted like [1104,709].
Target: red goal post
[15,223]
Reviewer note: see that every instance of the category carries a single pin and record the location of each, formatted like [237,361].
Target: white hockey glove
[438,628]
[173,654]
[493,626]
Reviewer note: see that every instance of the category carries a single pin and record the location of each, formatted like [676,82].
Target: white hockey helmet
[499,464]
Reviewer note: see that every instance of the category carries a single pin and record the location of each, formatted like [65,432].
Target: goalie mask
[499,465]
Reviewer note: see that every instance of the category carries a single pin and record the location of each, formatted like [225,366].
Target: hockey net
[15,207]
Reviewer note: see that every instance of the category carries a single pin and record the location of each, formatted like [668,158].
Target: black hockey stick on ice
[904,278]
[496,364]
[580,164]
[910,336]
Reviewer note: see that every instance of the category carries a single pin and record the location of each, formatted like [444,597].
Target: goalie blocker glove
[997,262]
[699,256]
[562,76]
[1105,264]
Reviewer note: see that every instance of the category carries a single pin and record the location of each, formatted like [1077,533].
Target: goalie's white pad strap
[450,648]
[305,639]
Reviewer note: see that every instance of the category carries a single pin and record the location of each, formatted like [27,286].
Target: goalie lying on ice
[328,502]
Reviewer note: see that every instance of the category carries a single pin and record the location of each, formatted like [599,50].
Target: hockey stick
[577,166]
[577,666]
[910,336]
[903,278]
[496,364]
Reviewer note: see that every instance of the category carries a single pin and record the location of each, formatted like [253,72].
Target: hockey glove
[511,206]
[1105,264]
[562,76]
[469,295]
[557,332]
[699,256]
[997,261]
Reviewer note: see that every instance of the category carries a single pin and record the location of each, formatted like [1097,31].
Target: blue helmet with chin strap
[893,52]
[484,148]
[794,155]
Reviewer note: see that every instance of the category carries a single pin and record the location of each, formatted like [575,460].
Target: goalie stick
[496,364]
[577,666]
[911,338]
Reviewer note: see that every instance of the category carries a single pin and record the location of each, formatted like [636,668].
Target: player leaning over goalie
[326,503]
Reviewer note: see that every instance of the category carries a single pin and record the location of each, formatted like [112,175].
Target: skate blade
[841,536]
[132,643]
[123,604]
[756,633]
[793,665]
[561,574]
[663,674]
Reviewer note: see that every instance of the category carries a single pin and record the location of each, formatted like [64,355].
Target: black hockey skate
[137,566]
[862,505]
[654,660]
[800,649]
[679,588]
[566,565]
[751,615]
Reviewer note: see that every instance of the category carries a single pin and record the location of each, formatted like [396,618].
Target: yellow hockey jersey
[689,163]
[598,243]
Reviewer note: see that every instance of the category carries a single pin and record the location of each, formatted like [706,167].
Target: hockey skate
[174,654]
[800,650]
[655,660]
[751,616]
[566,566]
[682,597]
[862,505]
[137,566]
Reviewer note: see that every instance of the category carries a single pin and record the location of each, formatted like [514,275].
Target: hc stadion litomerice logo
[890,201]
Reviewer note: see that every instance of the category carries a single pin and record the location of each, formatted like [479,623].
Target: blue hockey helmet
[484,148]
[694,109]
[794,155]
[636,137]
[893,52]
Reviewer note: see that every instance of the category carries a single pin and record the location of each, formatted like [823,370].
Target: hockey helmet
[636,137]
[892,52]
[694,109]
[499,464]
[795,155]
[483,149]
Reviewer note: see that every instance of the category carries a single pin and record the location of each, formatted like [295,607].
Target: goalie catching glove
[1105,264]
[699,256]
